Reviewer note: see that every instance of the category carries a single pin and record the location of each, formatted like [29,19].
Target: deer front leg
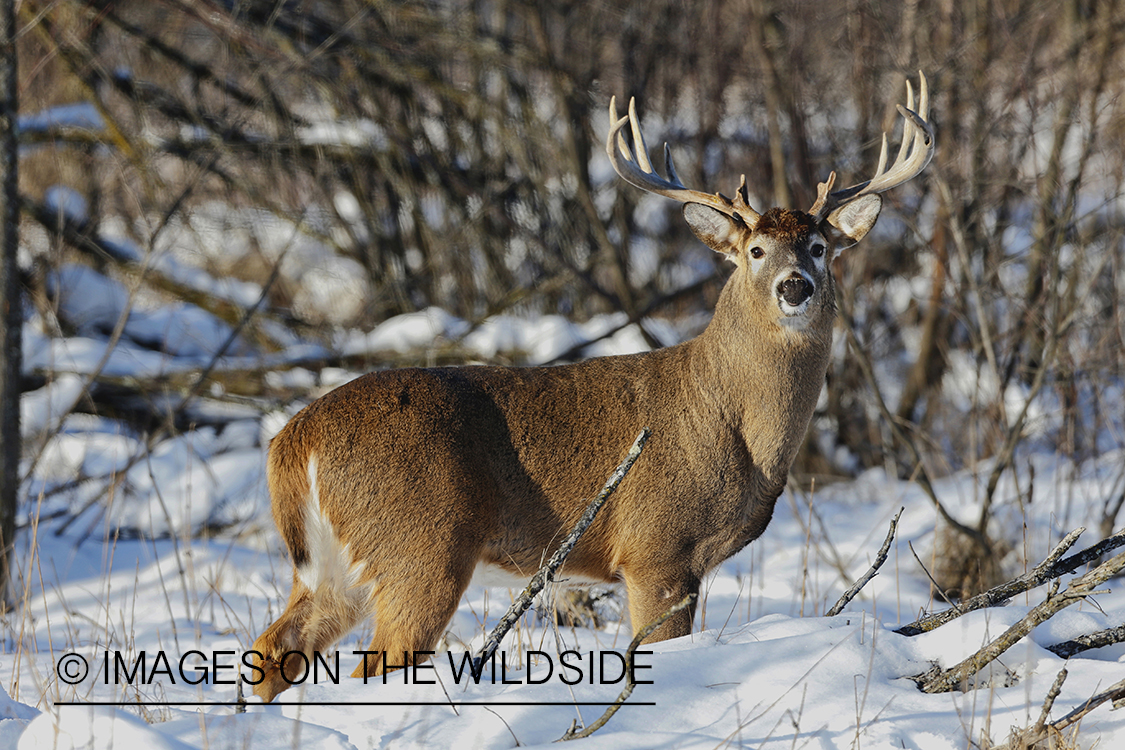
[653,592]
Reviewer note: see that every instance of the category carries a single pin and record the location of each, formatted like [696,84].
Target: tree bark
[11,318]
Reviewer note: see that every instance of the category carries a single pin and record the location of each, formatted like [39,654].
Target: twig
[879,560]
[645,632]
[953,678]
[1049,701]
[937,587]
[1032,737]
[546,574]
[1050,568]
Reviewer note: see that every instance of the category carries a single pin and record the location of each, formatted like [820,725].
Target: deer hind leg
[411,613]
[332,592]
[312,622]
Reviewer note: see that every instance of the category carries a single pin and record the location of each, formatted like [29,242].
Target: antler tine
[907,131]
[639,146]
[670,168]
[822,191]
[914,153]
[633,165]
[883,154]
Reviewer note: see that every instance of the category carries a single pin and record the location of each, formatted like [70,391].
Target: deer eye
[817,250]
[757,253]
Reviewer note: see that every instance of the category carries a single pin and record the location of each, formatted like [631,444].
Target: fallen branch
[958,676]
[1051,567]
[631,683]
[546,574]
[880,558]
[1106,637]
[1115,693]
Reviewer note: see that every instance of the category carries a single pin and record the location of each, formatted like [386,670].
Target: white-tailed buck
[390,490]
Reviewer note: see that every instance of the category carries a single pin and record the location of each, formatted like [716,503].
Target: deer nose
[795,290]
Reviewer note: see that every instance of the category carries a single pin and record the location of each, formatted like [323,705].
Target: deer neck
[760,379]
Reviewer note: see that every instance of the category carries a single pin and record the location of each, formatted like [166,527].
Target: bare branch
[1049,569]
[958,676]
[880,558]
[631,683]
[1106,637]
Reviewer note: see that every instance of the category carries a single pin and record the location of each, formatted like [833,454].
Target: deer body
[391,489]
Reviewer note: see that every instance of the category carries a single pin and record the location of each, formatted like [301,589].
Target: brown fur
[425,472]
[786,226]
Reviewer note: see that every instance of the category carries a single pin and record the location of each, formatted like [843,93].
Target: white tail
[391,489]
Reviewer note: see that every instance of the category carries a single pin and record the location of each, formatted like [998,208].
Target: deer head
[785,255]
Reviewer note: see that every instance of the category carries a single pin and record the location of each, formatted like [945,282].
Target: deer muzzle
[793,292]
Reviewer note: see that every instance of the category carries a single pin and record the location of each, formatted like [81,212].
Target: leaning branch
[631,682]
[546,574]
[880,558]
[1051,567]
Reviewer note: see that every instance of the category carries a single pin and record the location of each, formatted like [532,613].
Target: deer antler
[914,153]
[635,168]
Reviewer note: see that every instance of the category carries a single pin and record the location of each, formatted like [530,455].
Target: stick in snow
[1052,567]
[630,652]
[879,560]
[959,675]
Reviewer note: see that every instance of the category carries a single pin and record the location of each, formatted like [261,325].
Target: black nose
[795,290]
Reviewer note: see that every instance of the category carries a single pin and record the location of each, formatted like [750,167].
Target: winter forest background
[229,208]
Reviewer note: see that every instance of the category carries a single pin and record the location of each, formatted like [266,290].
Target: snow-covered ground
[111,571]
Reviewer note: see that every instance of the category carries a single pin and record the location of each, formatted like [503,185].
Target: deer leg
[313,621]
[411,615]
[653,593]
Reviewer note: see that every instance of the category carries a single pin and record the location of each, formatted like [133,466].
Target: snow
[80,115]
[93,728]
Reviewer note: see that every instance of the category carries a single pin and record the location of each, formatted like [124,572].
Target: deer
[391,490]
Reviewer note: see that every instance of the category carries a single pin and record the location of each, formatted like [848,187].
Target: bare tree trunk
[10,312]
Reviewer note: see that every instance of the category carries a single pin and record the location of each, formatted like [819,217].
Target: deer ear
[852,221]
[715,229]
